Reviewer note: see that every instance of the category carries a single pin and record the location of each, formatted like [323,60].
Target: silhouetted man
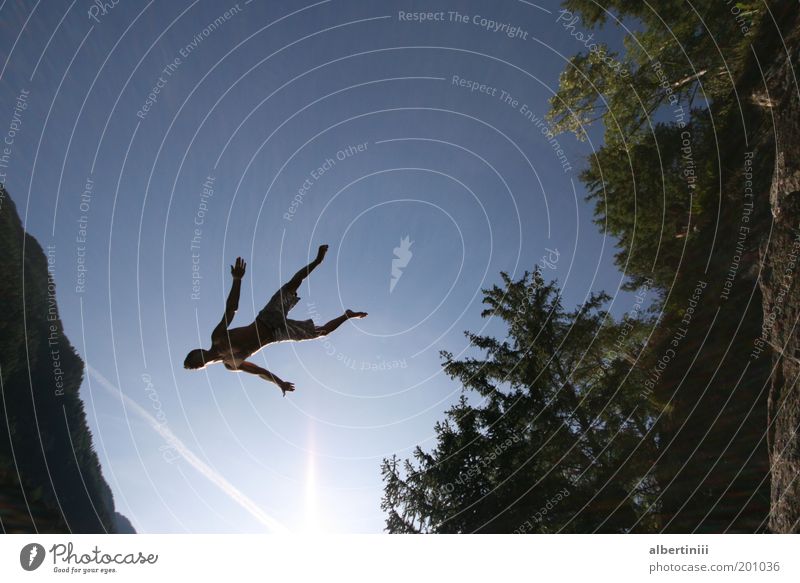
[232,346]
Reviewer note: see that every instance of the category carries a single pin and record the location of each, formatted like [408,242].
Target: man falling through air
[232,346]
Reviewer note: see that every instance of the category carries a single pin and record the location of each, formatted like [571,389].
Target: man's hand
[323,249]
[286,387]
[237,271]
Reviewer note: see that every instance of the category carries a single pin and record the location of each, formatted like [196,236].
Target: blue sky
[362,108]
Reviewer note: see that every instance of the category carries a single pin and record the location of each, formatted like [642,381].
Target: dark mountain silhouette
[122,524]
[50,476]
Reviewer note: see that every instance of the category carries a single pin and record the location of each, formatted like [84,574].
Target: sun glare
[312,523]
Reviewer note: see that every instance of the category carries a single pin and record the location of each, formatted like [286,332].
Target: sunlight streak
[213,476]
[312,523]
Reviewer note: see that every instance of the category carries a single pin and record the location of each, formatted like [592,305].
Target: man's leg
[286,298]
[329,327]
[294,283]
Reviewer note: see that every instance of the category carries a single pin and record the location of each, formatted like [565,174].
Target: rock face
[781,312]
[50,476]
[780,254]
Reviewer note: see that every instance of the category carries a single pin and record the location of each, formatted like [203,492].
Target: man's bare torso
[237,344]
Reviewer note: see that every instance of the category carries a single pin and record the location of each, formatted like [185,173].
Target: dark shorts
[274,317]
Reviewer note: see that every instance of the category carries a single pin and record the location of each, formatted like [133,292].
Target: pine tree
[552,433]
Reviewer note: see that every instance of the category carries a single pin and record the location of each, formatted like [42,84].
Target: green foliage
[680,61]
[559,440]
[652,195]
[667,182]
[673,51]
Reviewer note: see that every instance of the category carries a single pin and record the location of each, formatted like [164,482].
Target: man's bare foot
[323,249]
[352,314]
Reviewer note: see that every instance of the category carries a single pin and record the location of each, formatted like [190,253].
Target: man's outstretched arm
[237,272]
[284,386]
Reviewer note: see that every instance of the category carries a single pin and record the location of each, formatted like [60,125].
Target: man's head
[198,358]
